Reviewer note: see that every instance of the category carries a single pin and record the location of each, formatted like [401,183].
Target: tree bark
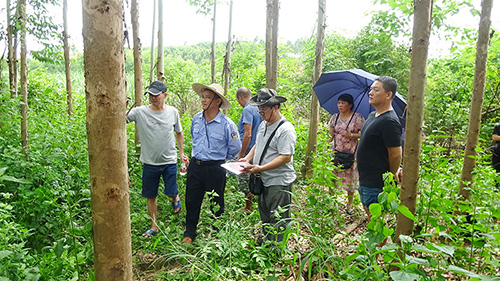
[415,113]
[269,42]
[227,58]
[104,67]
[67,60]
[212,55]
[160,70]
[274,58]
[152,66]
[24,80]
[11,57]
[477,100]
[138,86]
[318,67]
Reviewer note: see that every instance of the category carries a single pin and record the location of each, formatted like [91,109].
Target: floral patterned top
[341,143]
[348,178]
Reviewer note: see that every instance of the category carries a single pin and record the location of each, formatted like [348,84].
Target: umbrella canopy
[356,82]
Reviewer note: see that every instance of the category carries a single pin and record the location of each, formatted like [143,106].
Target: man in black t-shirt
[379,148]
[495,159]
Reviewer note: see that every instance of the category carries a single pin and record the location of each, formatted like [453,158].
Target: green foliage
[48,192]
[204,6]
[45,223]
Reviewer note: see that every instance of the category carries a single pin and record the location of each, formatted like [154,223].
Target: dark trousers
[203,178]
[495,162]
[273,199]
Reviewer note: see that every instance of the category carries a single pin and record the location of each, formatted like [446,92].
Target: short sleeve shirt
[250,116]
[496,131]
[215,140]
[283,143]
[377,134]
[354,126]
[156,133]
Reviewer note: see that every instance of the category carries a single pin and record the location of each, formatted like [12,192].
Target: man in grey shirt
[276,168]
[157,123]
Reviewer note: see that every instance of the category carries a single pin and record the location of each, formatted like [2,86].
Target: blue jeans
[369,195]
[151,180]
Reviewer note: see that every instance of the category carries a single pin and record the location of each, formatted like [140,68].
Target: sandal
[149,233]
[177,205]
[187,240]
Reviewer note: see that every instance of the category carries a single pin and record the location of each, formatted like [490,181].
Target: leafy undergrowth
[324,243]
[46,230]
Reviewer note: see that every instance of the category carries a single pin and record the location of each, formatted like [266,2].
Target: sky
[182,25]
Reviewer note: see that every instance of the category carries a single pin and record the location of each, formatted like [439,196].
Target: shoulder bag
[343,159]
[255,184]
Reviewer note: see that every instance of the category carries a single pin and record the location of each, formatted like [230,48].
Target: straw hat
[217,89]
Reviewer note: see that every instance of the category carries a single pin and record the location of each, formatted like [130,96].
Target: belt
[206,163]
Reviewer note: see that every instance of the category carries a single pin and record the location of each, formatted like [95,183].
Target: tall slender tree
[12,50]
[212,54]
[24,79]
[67,60]
[477,100]
[269,42]
[138,85]
[415,113]
[152,44]
[104,66]
[318,67]
[227,58]
[160,69]
[274,57]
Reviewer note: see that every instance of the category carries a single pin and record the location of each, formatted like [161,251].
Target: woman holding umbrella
[344,129]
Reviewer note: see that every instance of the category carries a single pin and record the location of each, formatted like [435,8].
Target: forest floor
[355,224]
[148,266]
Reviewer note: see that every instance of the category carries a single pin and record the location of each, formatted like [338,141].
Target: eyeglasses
[265,111]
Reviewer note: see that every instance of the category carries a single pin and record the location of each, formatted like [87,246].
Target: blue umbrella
[356,82]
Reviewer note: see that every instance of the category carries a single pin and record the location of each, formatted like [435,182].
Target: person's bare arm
[179,137]
[247,136]
[331,131]
[349,135]
[495,137]
[249,157]
[275,163]
[395,156]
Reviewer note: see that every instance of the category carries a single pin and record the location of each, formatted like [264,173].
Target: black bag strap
[269,141]
[347,128]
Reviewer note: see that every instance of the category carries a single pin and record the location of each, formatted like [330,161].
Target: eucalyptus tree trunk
[159,61]
[67,61]
[12,50]
[415,113]
[269,42]
[138,86]
[318,67]
[24,80]
[227,58]
[212,55]
[274,58]
[477,100]
[106,133]
[151,68]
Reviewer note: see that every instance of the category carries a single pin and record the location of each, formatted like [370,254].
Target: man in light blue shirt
[248,127]
[215,139]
